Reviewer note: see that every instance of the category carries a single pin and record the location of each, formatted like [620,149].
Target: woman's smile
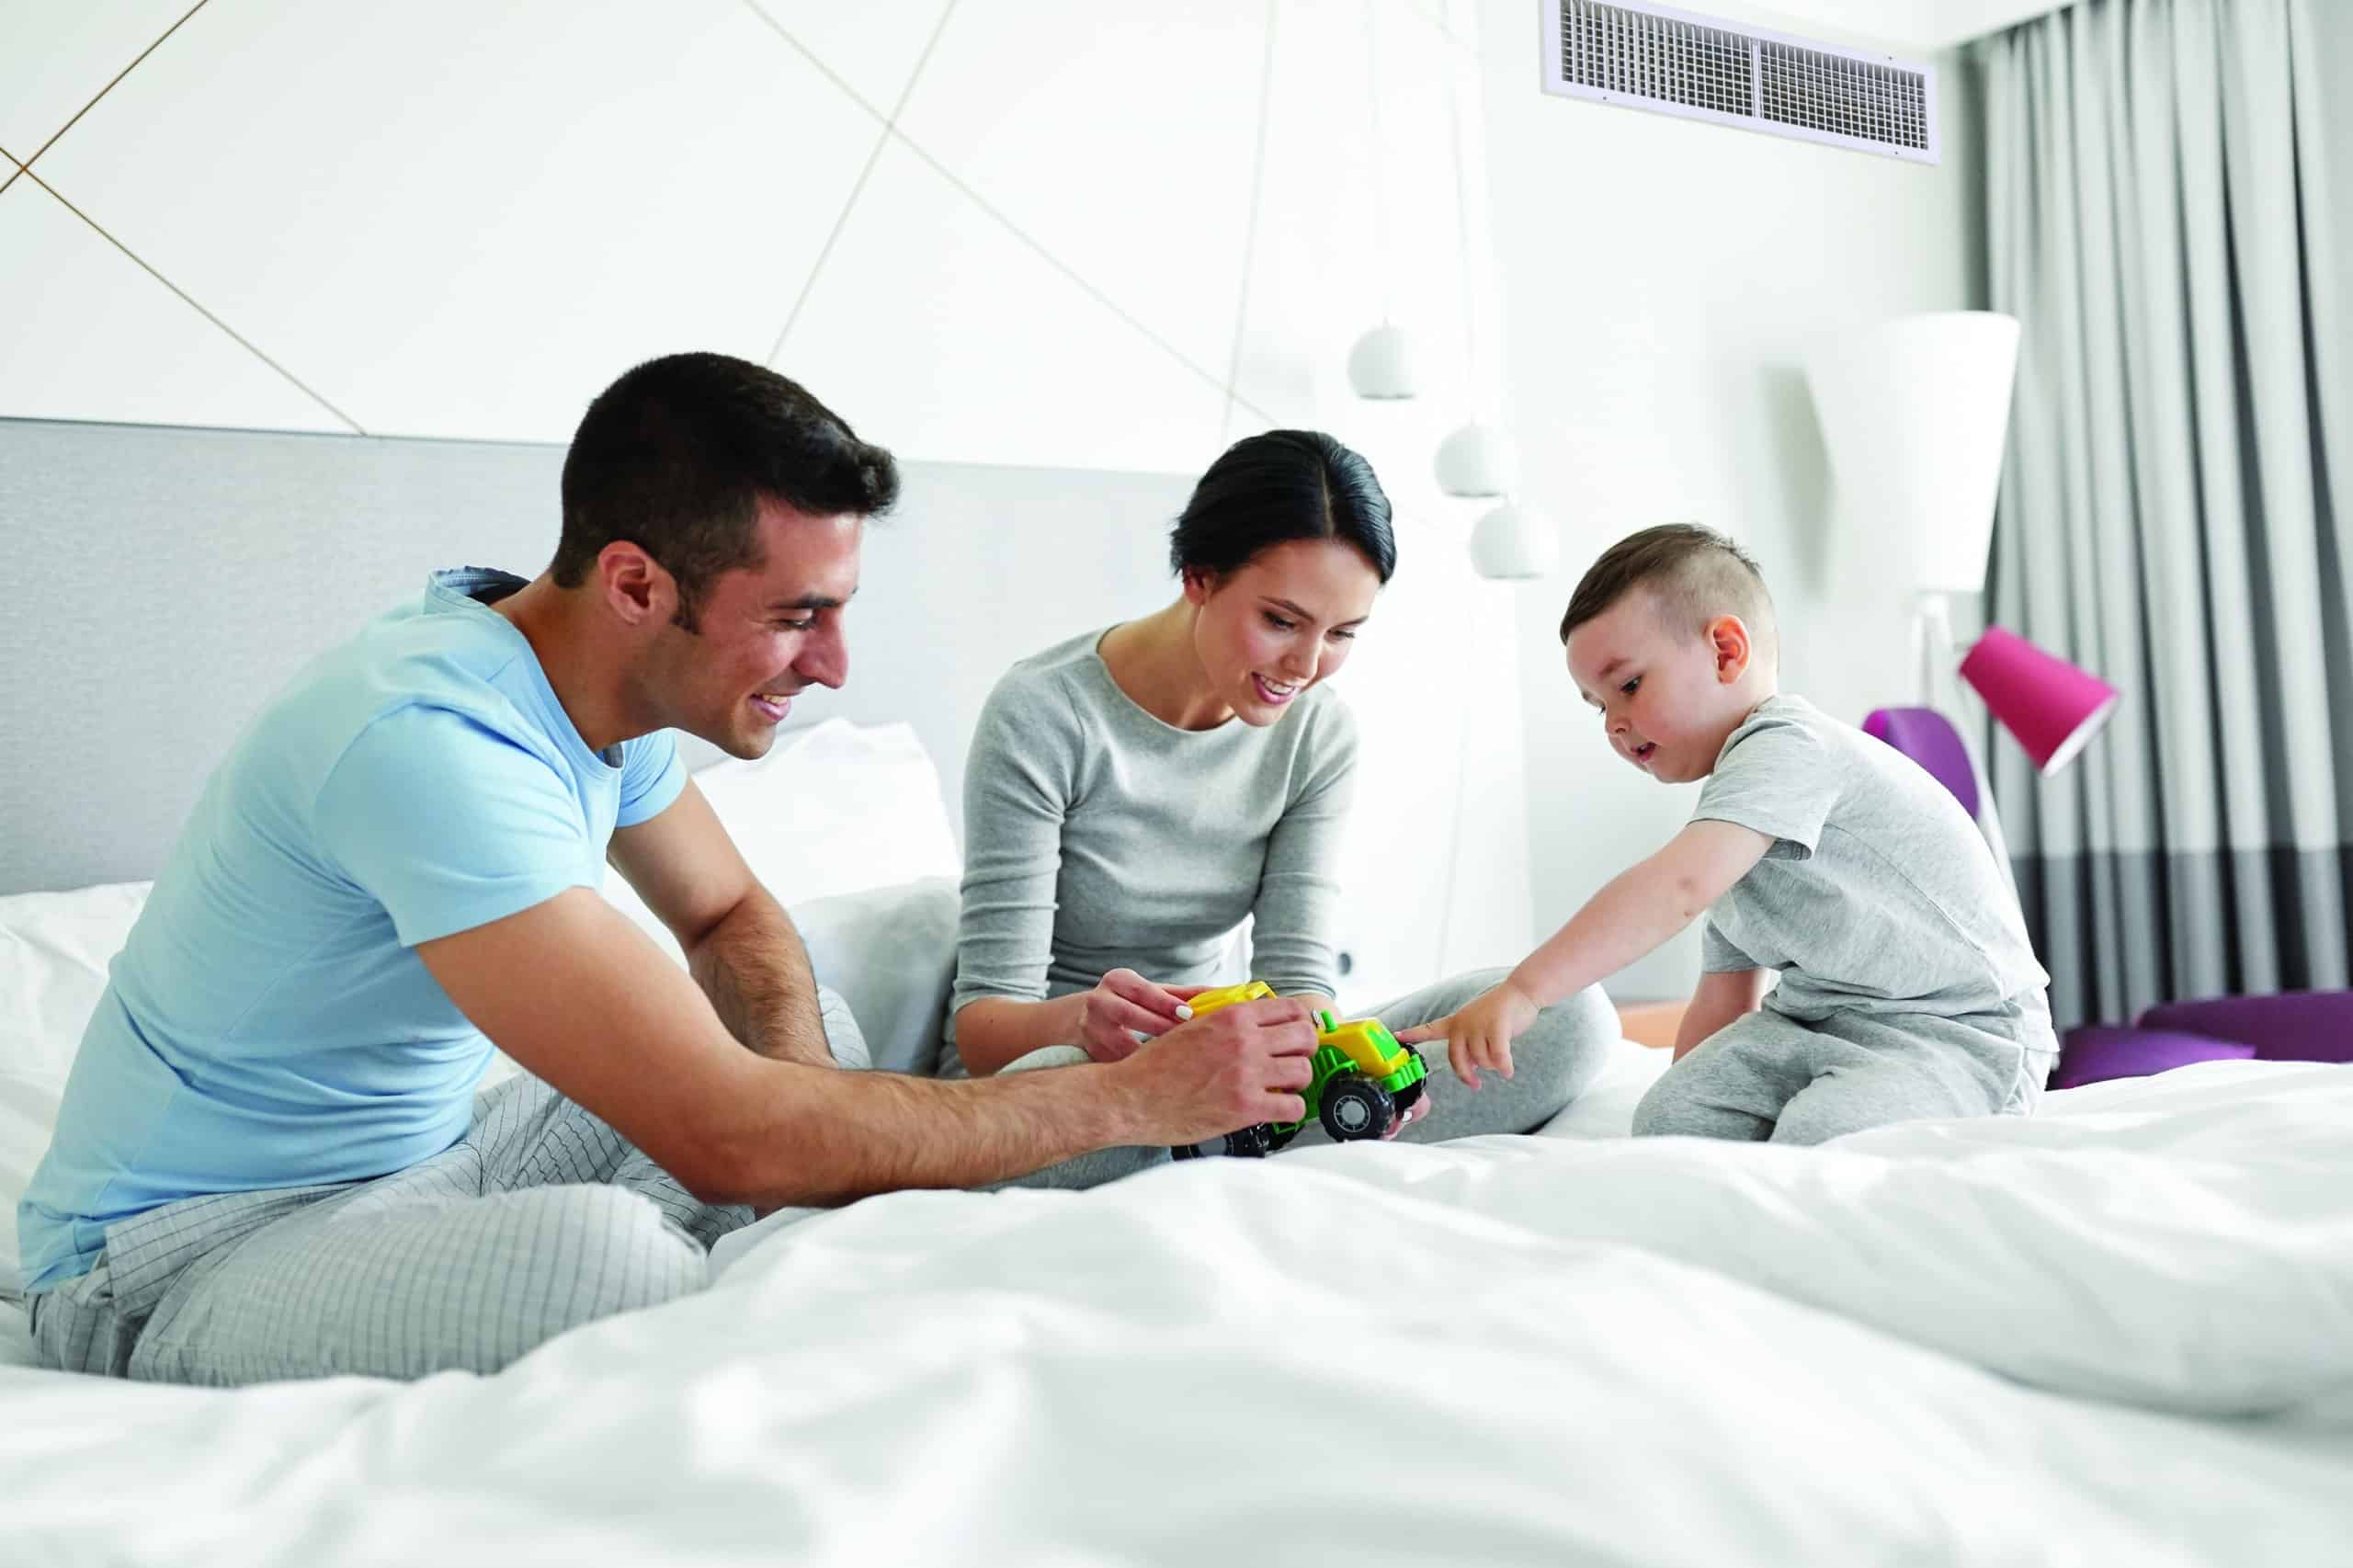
[1273,694]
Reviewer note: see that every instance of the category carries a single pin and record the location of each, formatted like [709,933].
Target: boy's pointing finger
[1434,1029]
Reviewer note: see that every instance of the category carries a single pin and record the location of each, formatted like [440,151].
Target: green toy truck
[1364,1080]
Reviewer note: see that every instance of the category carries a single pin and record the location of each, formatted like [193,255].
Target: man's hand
[1122,1006]
[1239,1066]
[1480,1035]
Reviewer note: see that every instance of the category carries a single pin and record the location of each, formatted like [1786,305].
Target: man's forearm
[845,1136]
[756,974]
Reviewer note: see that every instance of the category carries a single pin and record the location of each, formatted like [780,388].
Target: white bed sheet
[1502,1351]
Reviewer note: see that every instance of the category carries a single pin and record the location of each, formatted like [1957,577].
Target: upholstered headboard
[166,581]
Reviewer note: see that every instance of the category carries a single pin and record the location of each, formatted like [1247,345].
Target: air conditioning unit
[1676,62]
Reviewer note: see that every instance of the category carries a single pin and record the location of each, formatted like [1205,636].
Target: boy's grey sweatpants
[1559,1054]
[1768,1075]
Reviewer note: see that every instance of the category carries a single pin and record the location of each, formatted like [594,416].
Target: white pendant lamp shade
[1477,460]
[1381,364]
[1515,541]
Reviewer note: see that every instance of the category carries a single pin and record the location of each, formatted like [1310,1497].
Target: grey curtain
[2169,214]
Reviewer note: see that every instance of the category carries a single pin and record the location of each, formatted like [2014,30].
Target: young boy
[1907,985]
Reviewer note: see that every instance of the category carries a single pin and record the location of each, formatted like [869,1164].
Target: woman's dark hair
[675,456]
[1282,485]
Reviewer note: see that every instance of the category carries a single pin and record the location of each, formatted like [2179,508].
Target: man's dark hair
[1694,573]
[1280,485]
[675,455]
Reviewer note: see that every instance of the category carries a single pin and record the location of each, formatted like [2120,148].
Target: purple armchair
[2292,1026]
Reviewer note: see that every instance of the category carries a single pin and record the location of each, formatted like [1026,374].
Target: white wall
[1662,279]
[1051,232]
[1044,232]
[1030,231]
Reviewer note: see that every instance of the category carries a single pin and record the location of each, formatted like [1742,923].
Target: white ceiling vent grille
[1705,68]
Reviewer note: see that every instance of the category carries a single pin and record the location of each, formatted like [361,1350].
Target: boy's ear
[1728,641]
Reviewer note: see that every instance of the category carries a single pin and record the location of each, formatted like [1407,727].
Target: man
[271,1161]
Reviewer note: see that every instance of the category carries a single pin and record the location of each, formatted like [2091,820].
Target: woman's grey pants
[1561,1053]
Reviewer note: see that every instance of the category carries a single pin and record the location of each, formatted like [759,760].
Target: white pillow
[891,954]
[836,809]
[54,949]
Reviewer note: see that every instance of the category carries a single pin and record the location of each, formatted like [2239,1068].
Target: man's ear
[633,585]
[1728,641]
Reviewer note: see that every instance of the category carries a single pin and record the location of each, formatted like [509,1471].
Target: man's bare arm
[577,995]
[740,945]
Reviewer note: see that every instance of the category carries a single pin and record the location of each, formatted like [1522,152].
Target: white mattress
[2120,1332]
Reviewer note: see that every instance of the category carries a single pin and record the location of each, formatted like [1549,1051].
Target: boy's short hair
[1695,573]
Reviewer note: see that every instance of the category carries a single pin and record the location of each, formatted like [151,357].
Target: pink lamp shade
[2050,706]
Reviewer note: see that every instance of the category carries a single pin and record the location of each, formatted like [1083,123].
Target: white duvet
[2121,1333]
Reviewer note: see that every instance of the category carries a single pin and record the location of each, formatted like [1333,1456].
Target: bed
[2121,1332]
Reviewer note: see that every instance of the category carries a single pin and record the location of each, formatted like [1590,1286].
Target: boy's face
[1668,697]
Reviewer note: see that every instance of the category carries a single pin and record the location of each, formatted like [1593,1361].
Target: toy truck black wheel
[1412,1093]
[1357,1108]
[1251,1142]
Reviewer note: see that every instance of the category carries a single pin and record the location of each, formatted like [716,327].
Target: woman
[1132,794]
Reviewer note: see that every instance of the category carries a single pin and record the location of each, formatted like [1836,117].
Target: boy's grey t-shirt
[1097,838]
[1879,893]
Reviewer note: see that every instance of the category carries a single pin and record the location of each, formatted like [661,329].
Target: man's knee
[843,1039]
[621,1251]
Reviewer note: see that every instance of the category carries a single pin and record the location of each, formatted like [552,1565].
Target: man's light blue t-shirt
[267,1024]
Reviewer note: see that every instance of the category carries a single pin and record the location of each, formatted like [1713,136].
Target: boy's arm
[1722,996]
[1640,908]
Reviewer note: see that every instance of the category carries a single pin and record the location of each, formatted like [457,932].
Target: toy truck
[1363,1078]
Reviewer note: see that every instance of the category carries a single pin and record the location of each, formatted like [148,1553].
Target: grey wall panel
[166,581]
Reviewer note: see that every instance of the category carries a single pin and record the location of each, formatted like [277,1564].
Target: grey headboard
[166,581]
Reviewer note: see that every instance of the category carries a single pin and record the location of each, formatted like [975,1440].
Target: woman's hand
[1124,1005]
[1480,1035]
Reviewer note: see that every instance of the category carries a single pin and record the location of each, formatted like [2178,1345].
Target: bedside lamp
[1915,412]
[2054,708]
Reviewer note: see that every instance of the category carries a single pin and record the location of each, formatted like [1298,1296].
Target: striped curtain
[2169,195]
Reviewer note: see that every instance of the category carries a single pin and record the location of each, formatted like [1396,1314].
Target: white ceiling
[1918,25]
